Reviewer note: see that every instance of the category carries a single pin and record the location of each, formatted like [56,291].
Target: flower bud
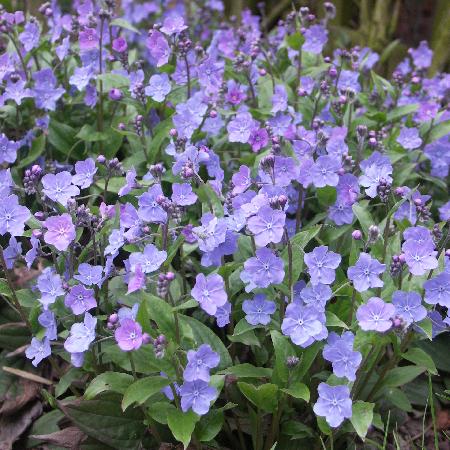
[357,235]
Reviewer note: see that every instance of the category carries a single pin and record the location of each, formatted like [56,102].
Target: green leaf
[298,243]
[122,23]
[89,133]
[264,397]
[173,250]
[141,390]
[326,195]
[247,371]
[182,425]
[298,390]
[160,133]
[104,420]
[362,416]
[191,303]
[161,312]
[401,111]
[334,321]
[426,325]
[439,130]
[363,216]
[36,150]
[420,358]
[66,380]
[398,398]
[108,381]
[209,426]
[204,335]
[295,40]
[283,348]
[61,136]
[402,375]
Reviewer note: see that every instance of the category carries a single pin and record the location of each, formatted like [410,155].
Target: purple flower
[38,350]
[267,226]
[375,315]
[444,211]
[128,335]
[149,209]
[341,212]
[158,47]
[130,183]
[30,36]
[120,45]
[419,259]
[279,99]
[81,77]
[376,168]
[149,261]
[60,231]
[209,292]
[211,233]
[259,310]
[262,270]
[89,275]
[88,39]
[6,181]
[81,335]
[316,295]
[158,87]
[301,323]
[364,273]
[420,236]
[242,180]
[8,149]
[223,315]
[339,351]
[240,127]
[316,37]
[12,252]
[182,194]
[258,139]
[322,264]
[437,290]
[426,111]
[17,91]
[197,395]
[422,55]
[173,24]
[334,404]
[48,321]
[324,171]
[31,254]
[199,363]
[79,299]
[50,286]
[235,93]
[13,216]
[58,187]
[116,241]
[84,173]
[189,116]
[408,305]
[136,280]
[409,138]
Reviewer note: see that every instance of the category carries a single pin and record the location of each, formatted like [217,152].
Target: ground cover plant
[215,235]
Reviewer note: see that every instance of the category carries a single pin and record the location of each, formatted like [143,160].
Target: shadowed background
[389,27]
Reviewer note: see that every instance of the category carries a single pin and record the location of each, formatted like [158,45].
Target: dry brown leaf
[13,425]
[28,392]
[70,437]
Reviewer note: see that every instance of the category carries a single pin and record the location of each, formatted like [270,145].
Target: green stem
[133,367]
[433,413]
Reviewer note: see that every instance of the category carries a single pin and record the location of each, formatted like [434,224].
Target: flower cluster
[204,184]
